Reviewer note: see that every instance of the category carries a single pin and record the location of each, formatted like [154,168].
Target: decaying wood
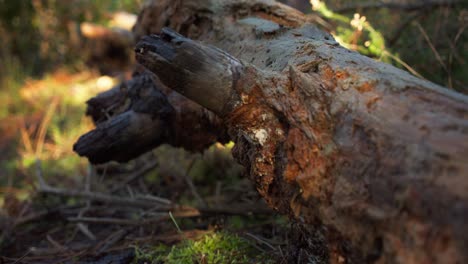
[139,115]
[368,156]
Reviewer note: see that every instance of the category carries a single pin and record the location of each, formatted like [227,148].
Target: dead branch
[99,197]
[140,115]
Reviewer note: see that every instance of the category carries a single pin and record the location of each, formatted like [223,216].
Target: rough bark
[141,114]
[374,156]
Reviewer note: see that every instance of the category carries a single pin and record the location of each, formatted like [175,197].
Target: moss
[220,247]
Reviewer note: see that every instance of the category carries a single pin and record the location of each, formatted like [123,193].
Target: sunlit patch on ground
[46,123]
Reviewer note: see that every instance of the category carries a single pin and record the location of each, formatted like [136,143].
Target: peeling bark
[373,158]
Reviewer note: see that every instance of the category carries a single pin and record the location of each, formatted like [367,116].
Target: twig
[175,223]
[113,221]
[36,251]
[167,206]
[85,230]
[397,5]
[262,241]
[236,210]
[436,53]
[22,257]
[40,215]
[130,192]
[25,137]
[132,222]
[44,124]
[452,53]
[112,239]
[409,68]
[154,198]
[44,188]
[190,184]
[135,176]
[99,197]
[283,258]
[40,178]
[82,227]
[240,210]
[184,212]
[54,243]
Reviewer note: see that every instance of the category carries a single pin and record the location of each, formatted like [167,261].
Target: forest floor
[168,206]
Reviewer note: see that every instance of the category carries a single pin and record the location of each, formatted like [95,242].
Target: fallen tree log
[372,157]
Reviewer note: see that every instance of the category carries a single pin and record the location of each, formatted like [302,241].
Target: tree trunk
[368,156]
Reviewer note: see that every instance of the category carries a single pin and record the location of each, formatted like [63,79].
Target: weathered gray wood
[145,115]
[190,68]
[139,115]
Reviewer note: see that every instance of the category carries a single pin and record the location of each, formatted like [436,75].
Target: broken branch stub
[141,114]
[142,123]
[190,68]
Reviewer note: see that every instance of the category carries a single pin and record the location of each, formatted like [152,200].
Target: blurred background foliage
[41,35]
[45,79]
[426,38]
[44,83]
